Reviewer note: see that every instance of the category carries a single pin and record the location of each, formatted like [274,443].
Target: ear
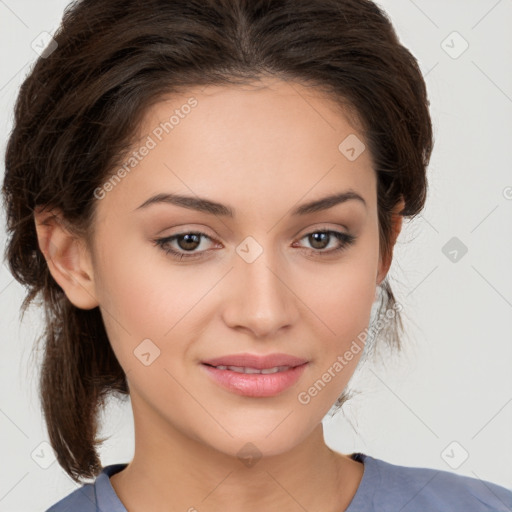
[396,227]
[67,257]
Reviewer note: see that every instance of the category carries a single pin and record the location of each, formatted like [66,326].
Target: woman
[207,195]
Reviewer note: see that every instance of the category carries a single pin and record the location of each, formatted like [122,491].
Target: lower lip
[256,384]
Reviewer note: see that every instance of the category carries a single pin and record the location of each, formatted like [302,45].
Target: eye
[320,239]
[186,242]
[190,241]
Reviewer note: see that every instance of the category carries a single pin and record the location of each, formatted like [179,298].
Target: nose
[260,297]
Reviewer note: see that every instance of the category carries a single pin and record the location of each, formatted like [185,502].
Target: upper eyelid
[326,226]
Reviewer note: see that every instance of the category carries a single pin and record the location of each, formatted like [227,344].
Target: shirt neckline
[107,498]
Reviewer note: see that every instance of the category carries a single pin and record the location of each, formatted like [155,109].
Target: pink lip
[255,361]
[253,384]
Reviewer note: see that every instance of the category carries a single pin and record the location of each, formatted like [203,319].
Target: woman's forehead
[241,143]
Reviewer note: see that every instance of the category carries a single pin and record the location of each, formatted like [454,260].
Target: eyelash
[345,239]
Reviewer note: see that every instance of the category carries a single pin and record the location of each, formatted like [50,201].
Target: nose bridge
[261,301]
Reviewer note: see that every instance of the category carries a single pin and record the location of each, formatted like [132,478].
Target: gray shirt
[385,487]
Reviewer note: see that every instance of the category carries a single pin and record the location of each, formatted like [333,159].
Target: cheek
[345,302]
[341,295]
[143,295]
[343,305]
[135,300]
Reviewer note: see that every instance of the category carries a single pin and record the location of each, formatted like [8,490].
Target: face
[260,275]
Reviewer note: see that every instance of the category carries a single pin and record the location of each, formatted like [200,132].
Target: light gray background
[450,394]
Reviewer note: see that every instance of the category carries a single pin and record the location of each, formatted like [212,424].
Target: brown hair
[80,107]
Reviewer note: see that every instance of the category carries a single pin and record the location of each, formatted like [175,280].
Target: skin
[262,150]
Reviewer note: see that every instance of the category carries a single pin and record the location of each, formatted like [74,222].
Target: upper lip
[256,361]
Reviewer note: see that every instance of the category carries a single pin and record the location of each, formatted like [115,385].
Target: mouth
[249,370]
[255,382]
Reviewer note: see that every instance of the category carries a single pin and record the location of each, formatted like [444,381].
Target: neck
[169,467]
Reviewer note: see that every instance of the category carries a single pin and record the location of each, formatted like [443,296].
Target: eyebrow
[214,208]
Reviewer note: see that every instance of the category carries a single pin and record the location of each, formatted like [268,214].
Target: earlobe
[67,258]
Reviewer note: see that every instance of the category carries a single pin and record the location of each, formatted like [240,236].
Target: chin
[249,448]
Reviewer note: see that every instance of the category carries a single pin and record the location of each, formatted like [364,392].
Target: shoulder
[82,499]
[410,489]
[91,497]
